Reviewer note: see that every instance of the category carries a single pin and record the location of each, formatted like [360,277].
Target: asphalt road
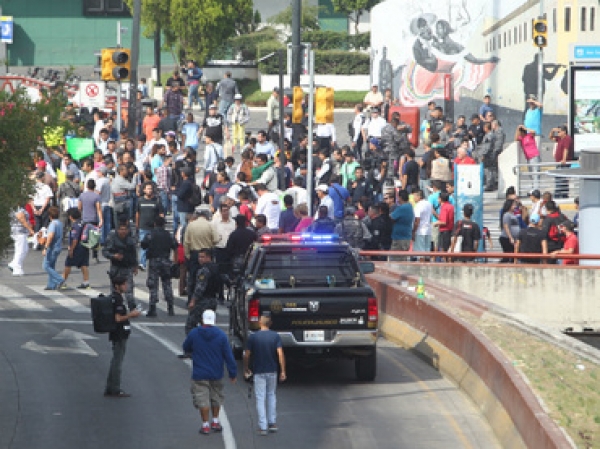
[53,370]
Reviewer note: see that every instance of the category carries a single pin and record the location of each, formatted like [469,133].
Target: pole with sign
[469,190]
[6,37]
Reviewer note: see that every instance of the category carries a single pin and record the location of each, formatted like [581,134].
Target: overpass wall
[557,297]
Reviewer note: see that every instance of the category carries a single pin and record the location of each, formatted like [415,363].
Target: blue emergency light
[299,238]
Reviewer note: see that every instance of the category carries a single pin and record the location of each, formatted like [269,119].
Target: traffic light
[324,105]
[540,33]
[115,64]
[298,110]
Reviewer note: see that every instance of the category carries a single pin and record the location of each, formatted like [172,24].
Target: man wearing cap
[238,116]
[571,244]
[214,125]
[325,200]
[226,89]
[533,116]
[532,240]
[273,115]
[119,338]
[373,127]
[352,230]
[373,98]
[210,351]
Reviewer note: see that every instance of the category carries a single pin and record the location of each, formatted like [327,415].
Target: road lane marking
[228,438]
[453,423]
[59,298]
[19,300]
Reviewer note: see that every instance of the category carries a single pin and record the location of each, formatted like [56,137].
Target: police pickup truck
[314,289]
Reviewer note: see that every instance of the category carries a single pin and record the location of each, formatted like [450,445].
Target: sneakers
[273,428]
[263,432]
[63,286]
[141,267]
[118,394]
[10,267]
[151,312]
[216,427]
[84,286]
[205,429]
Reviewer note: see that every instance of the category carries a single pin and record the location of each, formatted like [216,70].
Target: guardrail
[476,258]
[533,176]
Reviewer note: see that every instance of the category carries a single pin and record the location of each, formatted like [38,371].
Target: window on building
[554,20]
[592,18]
[105,8]
[515,36]
[568,19]
[525,31]
[583,18]
[499,41]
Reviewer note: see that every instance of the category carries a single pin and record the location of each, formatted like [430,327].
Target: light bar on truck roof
[299,238]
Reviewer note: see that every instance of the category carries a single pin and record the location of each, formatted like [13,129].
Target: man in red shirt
[445,221]
[564,152]
[462,157]
[571,245]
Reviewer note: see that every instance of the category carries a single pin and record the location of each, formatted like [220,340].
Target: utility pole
[281,93]
[296,38]
[540,90]
[157,56]
[118,124]
[311,116]
[133,76]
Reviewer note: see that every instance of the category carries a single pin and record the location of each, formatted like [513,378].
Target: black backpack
[103,314]
[195,198]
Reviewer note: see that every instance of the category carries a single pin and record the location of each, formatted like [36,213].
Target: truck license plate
[314,336]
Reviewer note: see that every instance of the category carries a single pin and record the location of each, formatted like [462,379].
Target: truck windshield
[309,267]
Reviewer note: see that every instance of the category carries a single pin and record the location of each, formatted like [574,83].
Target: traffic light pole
[133,78]
[281,111]
[540,92]
[309,152]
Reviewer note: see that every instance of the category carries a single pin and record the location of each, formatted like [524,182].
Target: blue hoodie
[210,351]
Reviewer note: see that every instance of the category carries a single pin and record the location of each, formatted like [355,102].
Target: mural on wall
[438,35]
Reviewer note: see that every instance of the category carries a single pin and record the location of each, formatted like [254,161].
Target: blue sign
[6,29]
[586,52]
[468,183]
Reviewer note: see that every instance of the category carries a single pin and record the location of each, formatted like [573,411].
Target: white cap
[231,196]
[209,317]
[322,188]
[237,97]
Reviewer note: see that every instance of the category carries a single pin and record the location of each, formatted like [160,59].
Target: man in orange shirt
[150,122]
[571,245]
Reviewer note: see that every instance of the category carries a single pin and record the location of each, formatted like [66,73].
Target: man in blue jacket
[210,350]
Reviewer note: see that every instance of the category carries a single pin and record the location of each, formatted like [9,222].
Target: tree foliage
[309,21]
[354,9]
[195,28]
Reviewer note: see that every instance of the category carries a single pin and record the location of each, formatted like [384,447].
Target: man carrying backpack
[550,226]
[120,249]
[118,337]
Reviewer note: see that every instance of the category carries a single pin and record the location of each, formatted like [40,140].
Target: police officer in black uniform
[159,244]
[120,249]
[206,290]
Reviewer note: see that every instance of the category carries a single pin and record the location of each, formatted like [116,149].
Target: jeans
[224,107]
[113,381]
[164,199]
[106,223]
[175,212]
[49,264]
[535,169]
[561,189]
[21,249]
[264,390]
[143,233]
[182,218]
[193,94]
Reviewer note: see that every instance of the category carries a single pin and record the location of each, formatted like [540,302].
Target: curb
[468,357]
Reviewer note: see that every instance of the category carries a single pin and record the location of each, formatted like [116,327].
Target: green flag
[80,148]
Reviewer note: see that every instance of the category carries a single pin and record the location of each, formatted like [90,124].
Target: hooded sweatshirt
[210,351]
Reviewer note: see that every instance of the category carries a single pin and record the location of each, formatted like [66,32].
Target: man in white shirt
[41,201]
[268,204]
[325,200]
[263,146]
[297,192]
[324,173]
[326,135]
[357,124]
[422,223]
[102,142]
[157,139]
[373,98]
[373,126]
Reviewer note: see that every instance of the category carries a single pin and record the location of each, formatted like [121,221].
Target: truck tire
[366,367]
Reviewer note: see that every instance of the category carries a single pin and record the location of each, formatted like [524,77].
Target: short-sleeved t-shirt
[424,212]
[446,215]
[263,347]
[88,200]
[55,227]
[471,233]
[571,243]
[529,146]
[411,170]
[190,131]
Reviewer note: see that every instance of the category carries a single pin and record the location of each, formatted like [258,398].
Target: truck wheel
[366,367]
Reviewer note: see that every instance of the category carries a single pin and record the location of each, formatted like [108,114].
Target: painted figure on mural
[388,76]
[444,43]
[530,77]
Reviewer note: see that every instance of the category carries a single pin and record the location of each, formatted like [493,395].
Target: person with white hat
[237,117]
[325,200]
[210,351]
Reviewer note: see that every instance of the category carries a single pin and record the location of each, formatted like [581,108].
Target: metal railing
[534,176]
[547,260]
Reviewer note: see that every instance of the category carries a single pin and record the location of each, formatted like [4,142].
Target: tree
[354,9]
[194,28]
[310,17]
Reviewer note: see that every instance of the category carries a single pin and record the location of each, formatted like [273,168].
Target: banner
[80,148]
